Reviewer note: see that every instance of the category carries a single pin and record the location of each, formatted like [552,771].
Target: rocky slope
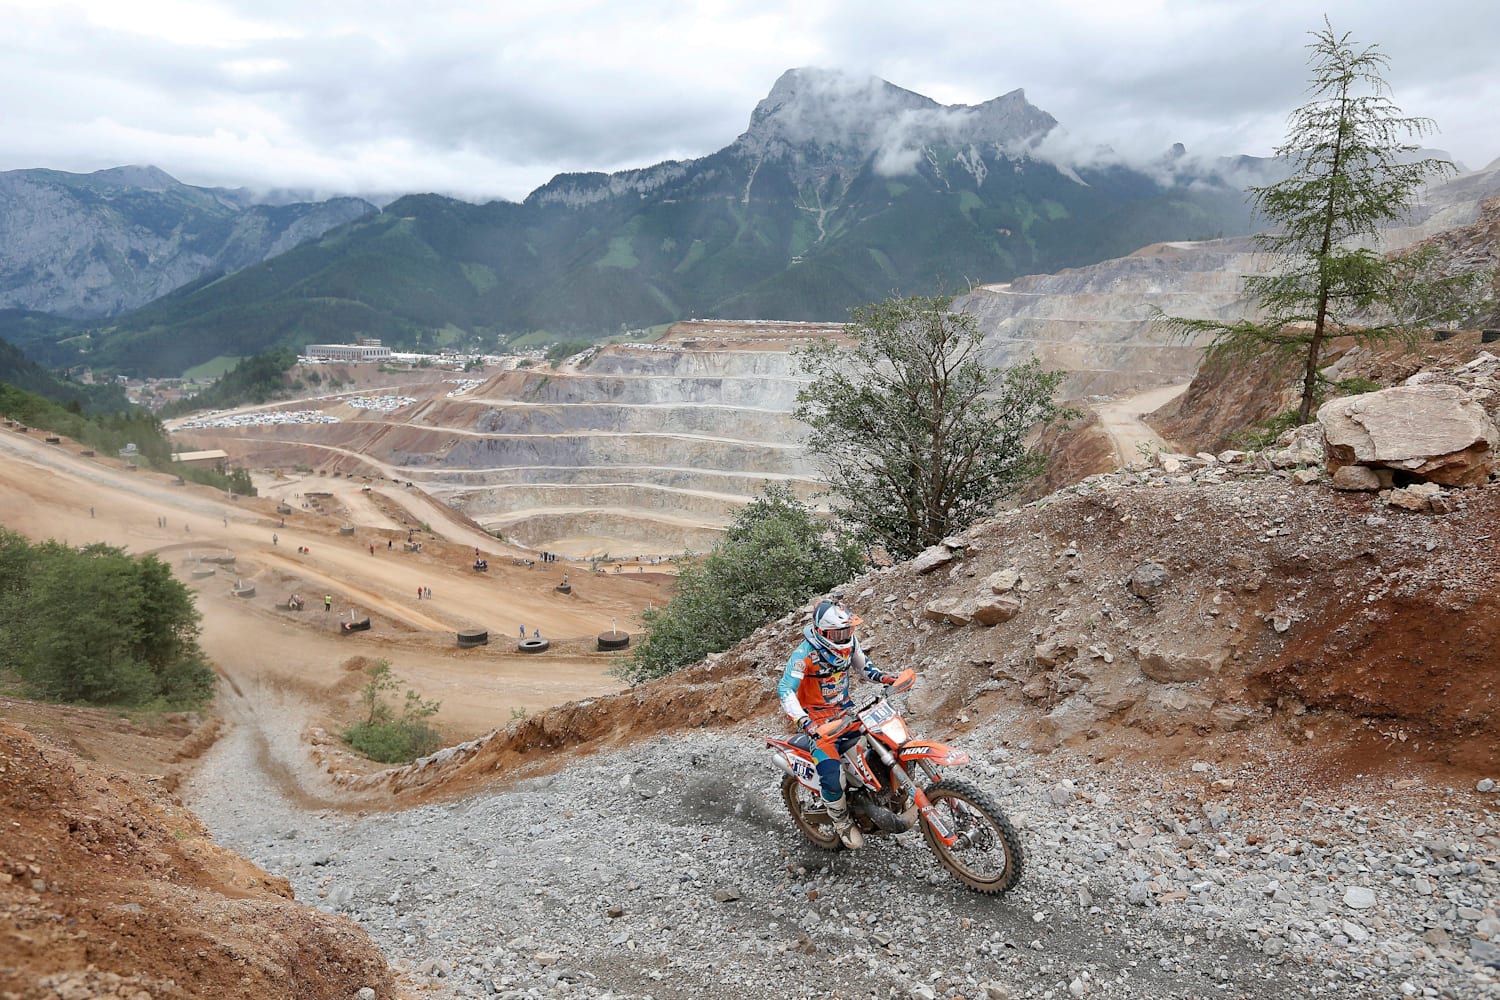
[90,246]
[109,887]
[1247,725]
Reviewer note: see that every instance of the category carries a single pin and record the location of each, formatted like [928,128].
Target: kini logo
[916,751]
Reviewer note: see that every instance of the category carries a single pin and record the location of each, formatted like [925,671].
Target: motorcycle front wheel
[809,814]
[987,857]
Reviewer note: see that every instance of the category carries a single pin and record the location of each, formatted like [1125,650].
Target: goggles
[838,636]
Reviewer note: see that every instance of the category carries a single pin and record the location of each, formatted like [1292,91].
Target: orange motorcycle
[893,782]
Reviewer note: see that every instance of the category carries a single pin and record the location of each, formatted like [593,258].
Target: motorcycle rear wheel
[809,814]
[991,862]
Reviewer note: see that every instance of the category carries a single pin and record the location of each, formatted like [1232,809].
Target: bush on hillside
[110,432]
[95,626]
[383,734]
[564,349]
[256,379]
[775,556]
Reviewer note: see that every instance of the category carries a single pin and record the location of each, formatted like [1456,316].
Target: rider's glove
[807,725]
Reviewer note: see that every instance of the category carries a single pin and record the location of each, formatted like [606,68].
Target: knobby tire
[999,840]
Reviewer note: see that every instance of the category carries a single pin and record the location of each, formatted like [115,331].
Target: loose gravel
[670,870]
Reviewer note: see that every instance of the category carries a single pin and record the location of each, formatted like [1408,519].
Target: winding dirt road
[1121,419]
[51,491]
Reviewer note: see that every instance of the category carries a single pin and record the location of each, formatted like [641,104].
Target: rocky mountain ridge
[840,192]
[90,246]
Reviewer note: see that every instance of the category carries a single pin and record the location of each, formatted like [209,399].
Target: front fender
[937,754]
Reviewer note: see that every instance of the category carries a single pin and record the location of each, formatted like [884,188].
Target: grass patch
[695,253]
[214,367]
[481,277]
[621,254]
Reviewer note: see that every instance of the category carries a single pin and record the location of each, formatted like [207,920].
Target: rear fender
[936,754]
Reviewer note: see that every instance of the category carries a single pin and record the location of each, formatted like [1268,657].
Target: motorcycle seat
[801,741]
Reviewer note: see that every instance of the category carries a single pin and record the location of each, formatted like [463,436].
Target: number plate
[877,715]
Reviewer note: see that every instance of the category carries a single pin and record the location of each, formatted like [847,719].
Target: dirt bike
[894,781]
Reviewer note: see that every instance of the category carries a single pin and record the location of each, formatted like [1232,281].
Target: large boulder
[1173,666]
[995,609]
[1431,432]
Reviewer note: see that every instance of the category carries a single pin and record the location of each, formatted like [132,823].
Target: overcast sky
[490,99]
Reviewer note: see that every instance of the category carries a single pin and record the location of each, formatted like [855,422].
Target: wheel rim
[982,854]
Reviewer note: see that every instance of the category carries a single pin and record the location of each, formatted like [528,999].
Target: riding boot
[843,824]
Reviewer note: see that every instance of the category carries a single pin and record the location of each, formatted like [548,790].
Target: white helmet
[833,630]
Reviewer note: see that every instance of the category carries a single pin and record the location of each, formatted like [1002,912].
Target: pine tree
[1352,173]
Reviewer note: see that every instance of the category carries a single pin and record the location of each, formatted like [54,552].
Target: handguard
[904,680]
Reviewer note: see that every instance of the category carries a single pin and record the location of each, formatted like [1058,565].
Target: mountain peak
[855,118]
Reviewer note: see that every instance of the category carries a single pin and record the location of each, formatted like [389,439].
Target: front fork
[930,815]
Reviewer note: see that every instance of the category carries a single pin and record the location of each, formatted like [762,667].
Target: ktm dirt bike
[893,782]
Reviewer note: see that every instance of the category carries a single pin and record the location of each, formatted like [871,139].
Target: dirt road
[1121,420]
[50,491]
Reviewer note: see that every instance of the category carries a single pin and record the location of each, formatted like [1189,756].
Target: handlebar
[841,724]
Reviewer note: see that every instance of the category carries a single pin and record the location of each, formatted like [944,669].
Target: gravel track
[669,870]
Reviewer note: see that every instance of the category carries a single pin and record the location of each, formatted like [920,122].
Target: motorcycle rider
[814,689]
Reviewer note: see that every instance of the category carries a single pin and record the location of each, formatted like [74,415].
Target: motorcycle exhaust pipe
[882,817]
[779,762]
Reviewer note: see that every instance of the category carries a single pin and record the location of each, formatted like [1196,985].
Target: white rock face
[1432,432]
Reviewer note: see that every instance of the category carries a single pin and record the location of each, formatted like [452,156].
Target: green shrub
[95,626]
[383,734]
[393,742]
[1356,385]
[773,557]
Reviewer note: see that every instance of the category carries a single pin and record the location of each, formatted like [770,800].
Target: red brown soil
[1227,398]
[1075,450]
[110,888]
[1421,666]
